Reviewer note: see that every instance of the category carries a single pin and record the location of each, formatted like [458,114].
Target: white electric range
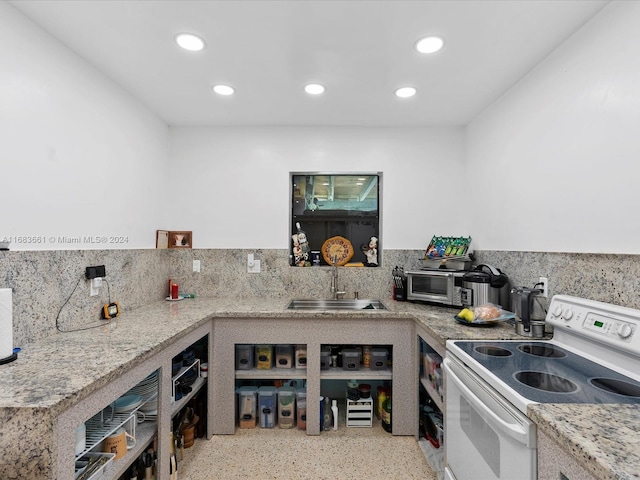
[594,357]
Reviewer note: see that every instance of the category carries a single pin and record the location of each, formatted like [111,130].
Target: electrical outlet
[544,283]
[97,271]
[196,266]
[96,283]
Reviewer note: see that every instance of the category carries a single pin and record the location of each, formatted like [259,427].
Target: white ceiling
[361,50]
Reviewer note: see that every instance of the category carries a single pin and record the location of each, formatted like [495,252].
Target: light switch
[196,265]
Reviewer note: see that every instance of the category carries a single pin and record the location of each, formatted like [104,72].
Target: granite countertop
[62,369]
[440,324]
[57,372]
[603,438]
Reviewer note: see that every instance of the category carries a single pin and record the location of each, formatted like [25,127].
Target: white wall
[557,158]
[78,156]
[551,166]
[231,185]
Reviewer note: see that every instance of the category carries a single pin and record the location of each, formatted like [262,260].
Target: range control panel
[609,326]
[606,323]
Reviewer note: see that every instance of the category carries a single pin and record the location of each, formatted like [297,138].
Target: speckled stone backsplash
[224,273]
[607,278]
[43,280]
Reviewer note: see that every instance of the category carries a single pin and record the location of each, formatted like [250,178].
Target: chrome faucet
[334,280]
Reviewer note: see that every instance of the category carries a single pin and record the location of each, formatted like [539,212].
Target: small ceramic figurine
[371,252]
[304,244]
[297,251]
[301,249]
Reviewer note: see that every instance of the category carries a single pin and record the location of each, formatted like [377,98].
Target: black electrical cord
[108,289]
[67,301]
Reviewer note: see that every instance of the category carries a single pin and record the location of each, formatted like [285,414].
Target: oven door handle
[519,434]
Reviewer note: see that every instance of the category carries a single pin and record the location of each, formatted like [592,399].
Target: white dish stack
[147,390]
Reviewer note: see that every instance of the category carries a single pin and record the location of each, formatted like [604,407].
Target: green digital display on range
[598,323]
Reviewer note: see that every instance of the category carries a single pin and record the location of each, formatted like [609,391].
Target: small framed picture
[173,239]
[180,239]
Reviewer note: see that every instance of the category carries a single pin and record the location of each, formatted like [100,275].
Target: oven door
[486,437]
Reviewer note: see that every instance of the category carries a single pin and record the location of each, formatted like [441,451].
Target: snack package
[443,247]
[487,311]
[484,313]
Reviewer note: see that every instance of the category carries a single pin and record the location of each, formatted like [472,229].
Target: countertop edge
[584,432]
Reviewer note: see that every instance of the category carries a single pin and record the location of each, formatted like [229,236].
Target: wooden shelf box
[174,239]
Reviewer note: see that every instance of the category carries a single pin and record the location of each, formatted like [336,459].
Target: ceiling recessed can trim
[190,41]
[314,89]
[225,90]
[430,44]
[406,92]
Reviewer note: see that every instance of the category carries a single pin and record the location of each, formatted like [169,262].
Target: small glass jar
[366,356]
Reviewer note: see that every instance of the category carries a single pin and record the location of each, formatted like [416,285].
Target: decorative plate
[339,247]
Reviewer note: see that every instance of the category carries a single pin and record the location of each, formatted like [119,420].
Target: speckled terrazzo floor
[348,453]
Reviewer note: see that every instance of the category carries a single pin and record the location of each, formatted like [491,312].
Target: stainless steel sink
[340,304]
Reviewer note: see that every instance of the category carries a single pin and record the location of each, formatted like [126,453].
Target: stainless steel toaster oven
[440,286]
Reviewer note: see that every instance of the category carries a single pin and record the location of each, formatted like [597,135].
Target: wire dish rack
[99,427]
[107,421]
[187,376]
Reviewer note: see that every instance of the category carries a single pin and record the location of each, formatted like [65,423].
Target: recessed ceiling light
[314,89]
[190,42]
[429,44]
[224,89]
[405,92]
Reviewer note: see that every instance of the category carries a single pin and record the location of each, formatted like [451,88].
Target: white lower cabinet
[241,345]
[131,418]
[112,408]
